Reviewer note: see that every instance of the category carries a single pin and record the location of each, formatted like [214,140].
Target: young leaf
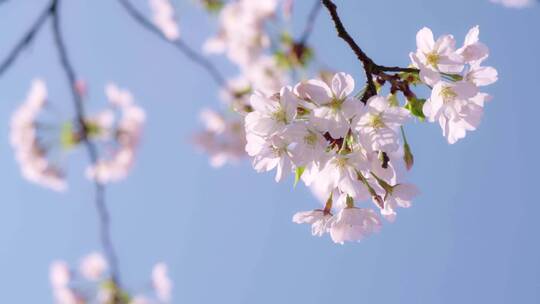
[415,105]
[298,174]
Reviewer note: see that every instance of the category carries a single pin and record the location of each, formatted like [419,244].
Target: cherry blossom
[455,101]
[127,133]
[271,114]
[164,18]
[241,34]
[333,105]
[514,3]
[93,266]
[25,139]
[354,224]
[223,138]
[91,283]
[380,122]
[161,282]
[318,219]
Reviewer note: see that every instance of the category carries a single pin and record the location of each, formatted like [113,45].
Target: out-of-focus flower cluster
[31,150]
[126,134]
[348,151]
[91,282]
[41,145]
[244,39]
[515,3]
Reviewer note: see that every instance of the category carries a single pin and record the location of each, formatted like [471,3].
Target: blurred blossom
[93,266]
[515,3]
[30,153]
[91,283]
[223,138]
[163,16]
[59,274]
[161,282]
[118,163]
[241,34]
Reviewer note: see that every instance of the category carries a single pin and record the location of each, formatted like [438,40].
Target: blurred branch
[310,24]
[26,39]
[370,67]
[69,71]
[178,44]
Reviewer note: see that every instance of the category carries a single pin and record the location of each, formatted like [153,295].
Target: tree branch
[25,40]
[178,44]
[103,214]
[370,67]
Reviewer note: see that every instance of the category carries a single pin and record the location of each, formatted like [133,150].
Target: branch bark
[370,67]
[91,149]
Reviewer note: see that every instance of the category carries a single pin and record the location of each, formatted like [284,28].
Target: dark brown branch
[103,214]
[178,44]
[370,67]
[367,63]
[25,40]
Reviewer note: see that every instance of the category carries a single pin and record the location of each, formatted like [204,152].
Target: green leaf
[415,105]
[298,174]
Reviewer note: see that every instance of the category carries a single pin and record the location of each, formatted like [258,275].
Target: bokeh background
[227,236]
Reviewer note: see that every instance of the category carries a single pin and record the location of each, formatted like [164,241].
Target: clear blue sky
[471,237]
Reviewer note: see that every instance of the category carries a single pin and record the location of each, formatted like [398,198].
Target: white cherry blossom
[318,219]
[354,224]
[334,105]
[271,114]
[439,55]
[380,122]
[400,195]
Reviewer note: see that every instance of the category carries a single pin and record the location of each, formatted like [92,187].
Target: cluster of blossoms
[241,34]
[223,139]
[348,151]
[30,150]
[243,38]
[91,283]
[163,16]
[34,142]
[125,132]
[455,76]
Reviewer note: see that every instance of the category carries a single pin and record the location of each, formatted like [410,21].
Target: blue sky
[227,235]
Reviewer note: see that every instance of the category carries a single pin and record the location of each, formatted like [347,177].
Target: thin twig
[310,23]
[178,44]
[25,40]
[103,214]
